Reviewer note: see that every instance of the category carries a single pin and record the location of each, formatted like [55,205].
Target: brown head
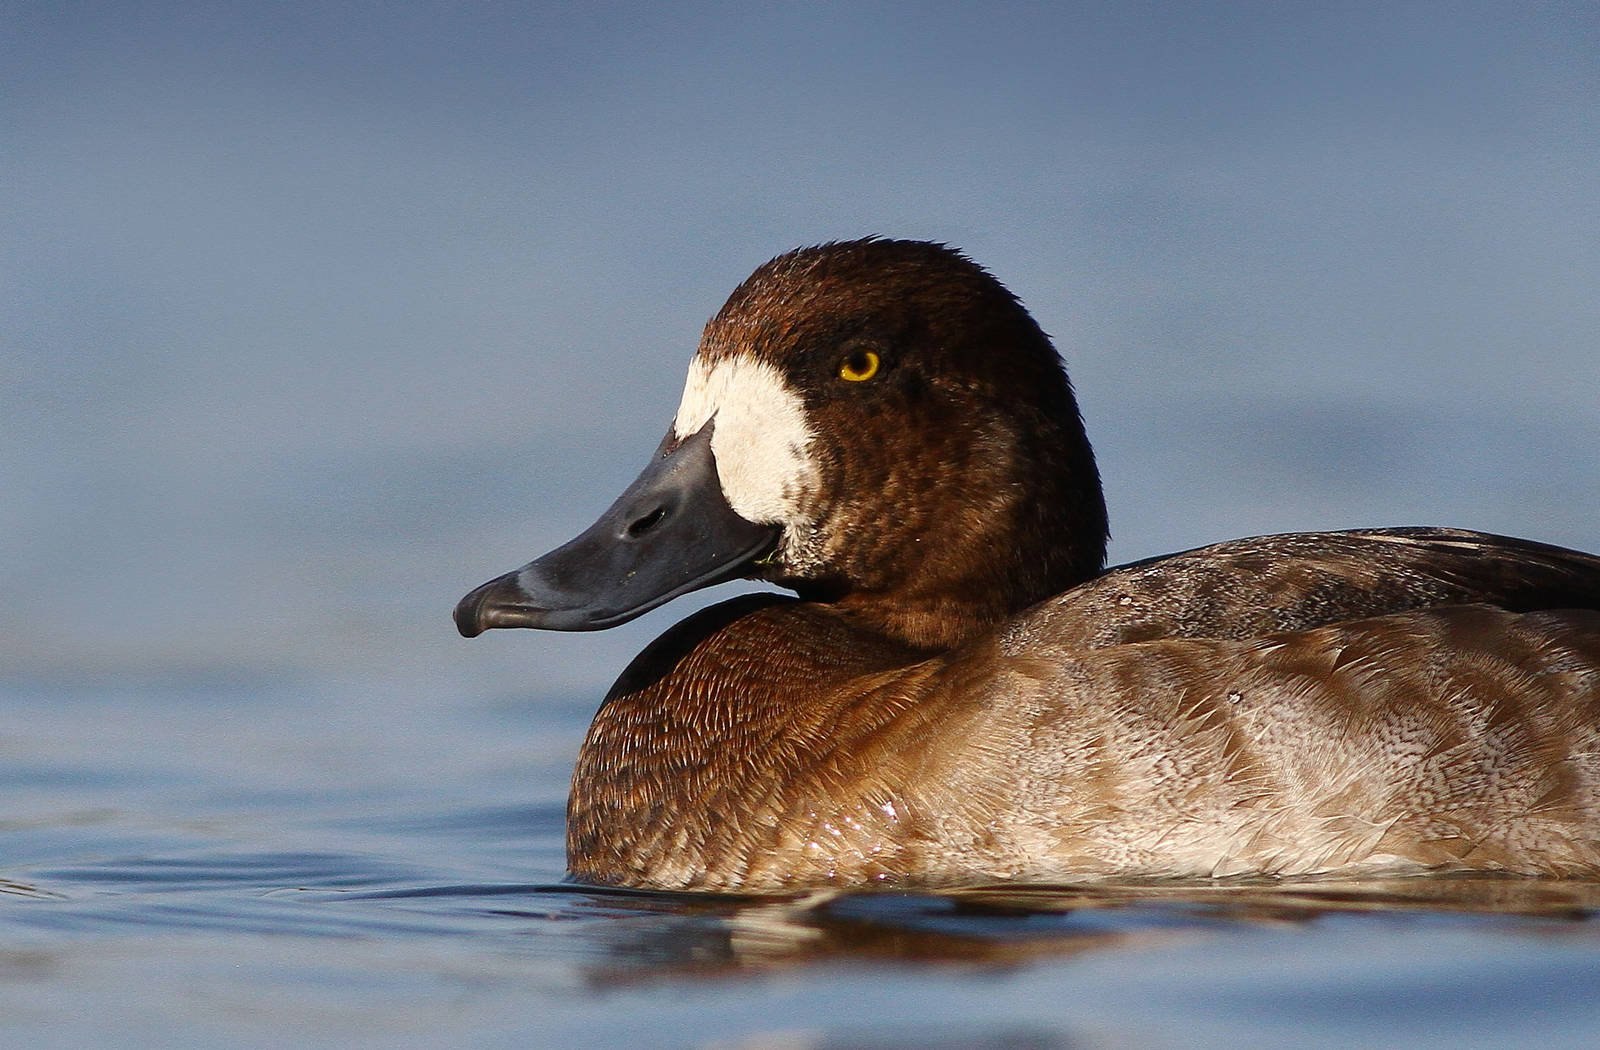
[878,425]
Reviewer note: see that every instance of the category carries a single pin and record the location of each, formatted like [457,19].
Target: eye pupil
[859,366]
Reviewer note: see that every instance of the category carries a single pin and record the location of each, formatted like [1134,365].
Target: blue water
[193,861]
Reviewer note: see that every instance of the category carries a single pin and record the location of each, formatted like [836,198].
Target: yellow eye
[859,366]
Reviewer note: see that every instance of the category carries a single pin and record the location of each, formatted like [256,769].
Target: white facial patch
[761,441]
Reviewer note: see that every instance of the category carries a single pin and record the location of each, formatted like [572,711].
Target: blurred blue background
[315,315]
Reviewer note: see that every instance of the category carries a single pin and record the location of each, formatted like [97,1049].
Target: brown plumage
[960,695]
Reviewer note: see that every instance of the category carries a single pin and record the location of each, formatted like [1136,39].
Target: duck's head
[878,425]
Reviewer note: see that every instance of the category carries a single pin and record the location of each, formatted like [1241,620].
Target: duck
[957,691]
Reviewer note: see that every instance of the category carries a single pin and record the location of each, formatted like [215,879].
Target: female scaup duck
[960,694]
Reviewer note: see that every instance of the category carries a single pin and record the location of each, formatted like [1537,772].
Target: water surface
[202,861]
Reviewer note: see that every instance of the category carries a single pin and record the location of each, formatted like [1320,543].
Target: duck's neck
[932,622]
[1005,511]
[731,705]
[990,543]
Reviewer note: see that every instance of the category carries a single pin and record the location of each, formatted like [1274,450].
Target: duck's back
[1252,587]
[1456,737]
[1312,702]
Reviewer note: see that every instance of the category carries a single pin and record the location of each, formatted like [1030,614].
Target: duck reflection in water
[960,693]
[654,935]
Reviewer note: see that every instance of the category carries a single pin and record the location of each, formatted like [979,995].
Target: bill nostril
[644,524]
